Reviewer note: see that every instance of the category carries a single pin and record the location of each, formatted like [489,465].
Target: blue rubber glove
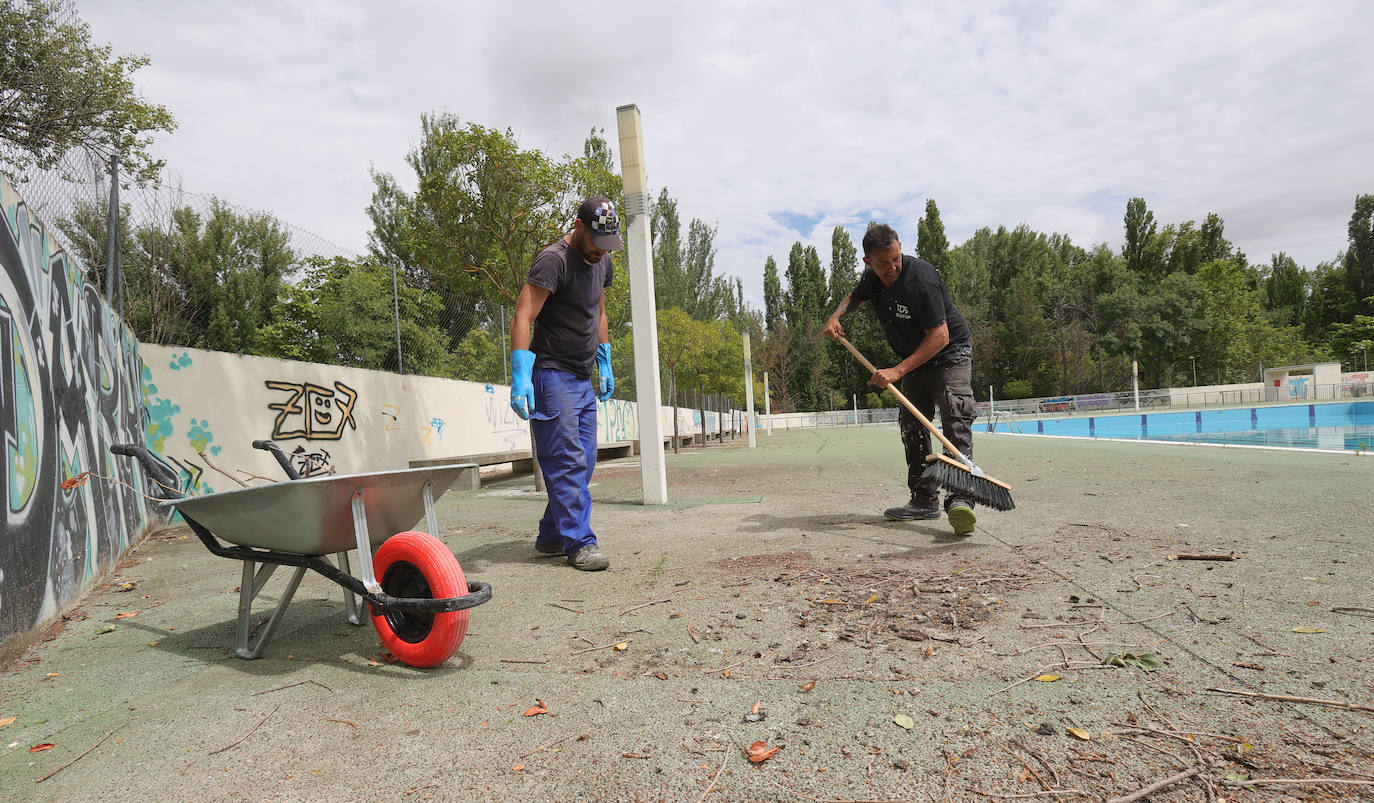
[522,382]
[603,368]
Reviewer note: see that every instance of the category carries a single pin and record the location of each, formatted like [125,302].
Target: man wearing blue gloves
[564,300]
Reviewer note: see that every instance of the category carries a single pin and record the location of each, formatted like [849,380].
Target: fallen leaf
[661,675]
[1047,678]
[1079,733]
[808,686]
[756,707]
[873,598]
[1146,661]
[904,721]
[875,750]
[126,614]
[518,768]
[634,755]
[1025,776]
[6,721]
[622,646]
[54,674]
[536,710]
[79,479]
[928,651]
[726,673]
[38,748]
[1309,630]
[100,631]
[760,752]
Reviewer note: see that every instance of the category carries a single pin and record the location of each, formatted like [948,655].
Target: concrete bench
[521,461]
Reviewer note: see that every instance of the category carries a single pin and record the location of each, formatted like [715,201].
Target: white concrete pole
[767,408]
[1135,382]
[639,257]
[749,388]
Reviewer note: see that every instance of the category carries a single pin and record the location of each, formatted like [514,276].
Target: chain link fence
[415,328]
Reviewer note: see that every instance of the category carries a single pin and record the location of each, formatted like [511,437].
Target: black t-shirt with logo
[917,301]
[567,328]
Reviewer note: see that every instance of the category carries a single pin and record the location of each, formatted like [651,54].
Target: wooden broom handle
[892,386]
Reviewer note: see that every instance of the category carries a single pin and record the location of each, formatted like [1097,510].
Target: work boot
[961,517]
[912,511]
[589,559]
[548,549]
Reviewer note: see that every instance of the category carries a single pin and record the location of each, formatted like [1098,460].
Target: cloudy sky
[777,121]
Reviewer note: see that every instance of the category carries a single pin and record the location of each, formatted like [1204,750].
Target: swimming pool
[1341,426]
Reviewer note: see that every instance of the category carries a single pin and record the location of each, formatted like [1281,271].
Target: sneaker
[589,559]
[961,518]
[548,549]
[911,512]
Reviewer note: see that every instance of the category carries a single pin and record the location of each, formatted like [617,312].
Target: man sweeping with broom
[923,327]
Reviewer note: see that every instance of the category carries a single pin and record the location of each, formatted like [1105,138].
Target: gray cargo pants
[949,387]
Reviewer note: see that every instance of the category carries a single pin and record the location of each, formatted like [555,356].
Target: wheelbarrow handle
[282,460]
[166,483]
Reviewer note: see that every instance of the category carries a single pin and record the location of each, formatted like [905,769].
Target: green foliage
[340,313]
[773,309]
[208,281]
[1018,389]
[1359,257]
[931,243]
[59,91]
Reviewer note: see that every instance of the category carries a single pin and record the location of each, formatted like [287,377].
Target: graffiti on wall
[505,424]
[616,420]
[311,411]
[69,389]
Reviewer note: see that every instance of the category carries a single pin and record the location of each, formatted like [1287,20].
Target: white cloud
[1048,114]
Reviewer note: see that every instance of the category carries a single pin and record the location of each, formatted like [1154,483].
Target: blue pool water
[1347,426]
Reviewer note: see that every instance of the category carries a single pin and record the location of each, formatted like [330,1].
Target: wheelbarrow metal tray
[314,516]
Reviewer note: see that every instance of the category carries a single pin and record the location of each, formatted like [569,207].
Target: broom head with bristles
[956,477]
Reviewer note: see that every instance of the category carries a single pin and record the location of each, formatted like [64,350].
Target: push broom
[960,476]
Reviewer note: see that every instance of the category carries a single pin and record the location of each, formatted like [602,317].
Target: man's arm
[603,328]
[833,329]
[527,307]
[935,339]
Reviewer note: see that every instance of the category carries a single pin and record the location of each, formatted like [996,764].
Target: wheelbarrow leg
[249,587]
[350,599]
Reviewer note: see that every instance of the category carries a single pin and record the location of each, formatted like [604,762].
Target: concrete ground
[769,602]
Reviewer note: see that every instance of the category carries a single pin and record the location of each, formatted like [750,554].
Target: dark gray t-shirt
[917,301]
[566,330]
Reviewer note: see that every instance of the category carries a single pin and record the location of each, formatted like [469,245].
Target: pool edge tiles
[1337,426]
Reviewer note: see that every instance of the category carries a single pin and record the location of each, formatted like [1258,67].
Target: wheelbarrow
[420,604]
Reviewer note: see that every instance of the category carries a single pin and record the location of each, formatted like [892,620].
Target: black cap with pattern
[598,214]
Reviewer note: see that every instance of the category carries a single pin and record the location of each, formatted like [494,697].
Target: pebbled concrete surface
[890,661]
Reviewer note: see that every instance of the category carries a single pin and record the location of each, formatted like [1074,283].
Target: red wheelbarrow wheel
[416,564]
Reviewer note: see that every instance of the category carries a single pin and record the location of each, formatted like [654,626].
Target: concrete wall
[69,388]
[205,409]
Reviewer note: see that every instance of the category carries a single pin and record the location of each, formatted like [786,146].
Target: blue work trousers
[564,428]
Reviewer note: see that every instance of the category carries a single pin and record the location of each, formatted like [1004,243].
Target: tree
[1284,289]
[1359,257]
[207,280]
[1141,249]
[708,296]
[931,243]
[844,268]
[666,231]
[340,313]
[60,91]
[773,308]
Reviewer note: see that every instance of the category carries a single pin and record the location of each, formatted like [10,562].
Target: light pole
[1364,351]
[1194,359]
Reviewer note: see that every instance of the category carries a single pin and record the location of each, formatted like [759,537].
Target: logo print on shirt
[902,311]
